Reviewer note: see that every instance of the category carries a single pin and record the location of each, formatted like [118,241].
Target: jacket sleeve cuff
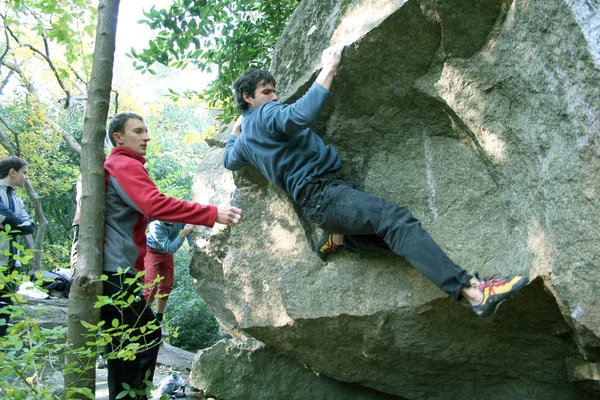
[212,216]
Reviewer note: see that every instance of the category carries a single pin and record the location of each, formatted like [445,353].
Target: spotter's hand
[228,215]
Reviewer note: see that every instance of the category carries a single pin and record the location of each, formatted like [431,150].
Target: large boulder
[248,369]
[483,118]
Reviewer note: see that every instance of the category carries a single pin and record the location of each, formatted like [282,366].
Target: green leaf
[232,35]
[83,391]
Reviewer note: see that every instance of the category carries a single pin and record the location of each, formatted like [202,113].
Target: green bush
[32,355]
[187,313]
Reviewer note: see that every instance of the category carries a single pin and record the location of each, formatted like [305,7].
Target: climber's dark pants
[370,223]
[135,372]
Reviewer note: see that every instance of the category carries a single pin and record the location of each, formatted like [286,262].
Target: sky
[129,32]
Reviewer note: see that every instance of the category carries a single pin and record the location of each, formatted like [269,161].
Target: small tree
[86,285]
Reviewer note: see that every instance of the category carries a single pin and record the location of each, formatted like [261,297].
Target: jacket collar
[127,152]
[6,188]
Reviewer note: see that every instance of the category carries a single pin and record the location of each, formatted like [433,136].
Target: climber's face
[264,93]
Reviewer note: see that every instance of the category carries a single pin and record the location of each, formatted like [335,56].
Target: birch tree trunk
[86,285]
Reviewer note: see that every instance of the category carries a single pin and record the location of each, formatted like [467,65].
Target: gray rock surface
[481,117]
[247,369]
[46,313]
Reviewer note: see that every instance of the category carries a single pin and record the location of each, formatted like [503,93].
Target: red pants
[157,263]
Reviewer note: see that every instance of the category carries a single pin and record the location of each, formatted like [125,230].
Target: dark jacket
[276,138]
[13,213]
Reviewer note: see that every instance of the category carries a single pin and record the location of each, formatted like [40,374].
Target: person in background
[13,173]
[162,241]
[131,199]
[278,140]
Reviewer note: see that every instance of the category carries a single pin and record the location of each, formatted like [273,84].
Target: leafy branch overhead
[44,69]
[66,27]
[222,36]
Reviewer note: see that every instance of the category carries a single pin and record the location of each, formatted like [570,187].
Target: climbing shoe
[495,291]
[325,246]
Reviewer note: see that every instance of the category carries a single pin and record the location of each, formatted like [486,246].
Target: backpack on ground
[54,282]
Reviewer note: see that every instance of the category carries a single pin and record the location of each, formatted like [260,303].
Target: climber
[276,138]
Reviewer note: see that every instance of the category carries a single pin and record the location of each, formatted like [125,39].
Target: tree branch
[76,147]
[16,68]
[116,100]
[6,80]
[73,99]
[78,76]
[4,141]
[7,40]
[46,58]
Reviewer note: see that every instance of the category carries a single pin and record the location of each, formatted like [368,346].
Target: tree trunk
[86,285]
[38,244]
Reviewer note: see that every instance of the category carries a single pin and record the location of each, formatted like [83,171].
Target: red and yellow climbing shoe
[495,291]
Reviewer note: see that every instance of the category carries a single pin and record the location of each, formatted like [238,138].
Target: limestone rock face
[483,117]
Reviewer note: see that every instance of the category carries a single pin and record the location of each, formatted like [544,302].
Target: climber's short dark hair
[247,83]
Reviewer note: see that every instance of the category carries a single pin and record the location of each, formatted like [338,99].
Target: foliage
[177,143]
[32,355]
[40,24]
[187,313]
[29,355]
[223,35]
[42,147]
[126,341]
[45,57]
[53,172]
[65,17]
